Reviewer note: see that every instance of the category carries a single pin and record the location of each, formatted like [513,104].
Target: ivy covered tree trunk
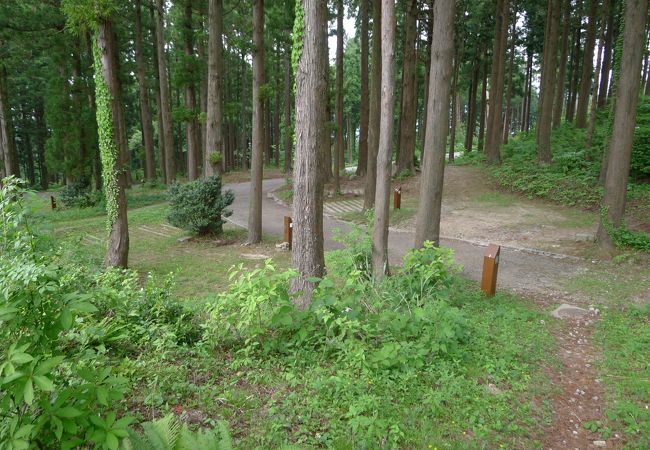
[257,157]
[364,106]
[214,133]
[145,112]
[620,145]
[384,155]
[112,145]
[166,125]
[427,226]
[310,56]
[373,124]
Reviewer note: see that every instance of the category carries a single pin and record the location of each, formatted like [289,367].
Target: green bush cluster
[199,206]
[80,195]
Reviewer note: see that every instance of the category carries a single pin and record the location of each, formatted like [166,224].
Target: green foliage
[640,164]
[623,237]
[199,206]
[169,434]
[84,14]
[79,195]
[215,158]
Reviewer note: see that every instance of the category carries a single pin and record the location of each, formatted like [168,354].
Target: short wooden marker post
[490,269]
[288,231]
[397,198]
[52,202]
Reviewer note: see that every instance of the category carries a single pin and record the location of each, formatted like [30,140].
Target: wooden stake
[397,198]
[490,269]
[52,202]
[288,231]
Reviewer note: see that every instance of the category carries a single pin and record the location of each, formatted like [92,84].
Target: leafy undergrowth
[624,335]
[419,359]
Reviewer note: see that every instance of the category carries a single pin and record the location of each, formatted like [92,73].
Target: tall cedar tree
[373,123]
[213,132]
[257,156]
[384,154]
[495,121]
[165,94]
[442,53]
[587,67]
[561,74]
[620,145]
[546,96]
[311,140]
[339,95]
[406,147]
[192,125]
[364,100]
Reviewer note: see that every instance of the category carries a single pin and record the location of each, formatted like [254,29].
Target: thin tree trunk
[145,112]
[442,50]
[311,138]
[243,115]
[481,128]
[406,148]
[587,67]
[159,108]
[594,89]
[575,64]
[7,142]
[513,38]
[257,157]
[288,134]
[41,133]
[618,170]
[112,141]
[165,101]
[214,115]
[364,100]
[192,125]
[471,109]
[382,194]
[561,75]
[495,119]
[374,114]
[276,124]
[545,115]
[607,58]
[339,95]
[454,105]
[427,76]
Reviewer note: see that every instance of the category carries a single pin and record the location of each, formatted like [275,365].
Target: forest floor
[598,367]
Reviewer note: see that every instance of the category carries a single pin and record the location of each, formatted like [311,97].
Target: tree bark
[546,97]
[113,147]
[427,77]
[311,138]
[384,154]
[481,128]
[214,115]
[7,142]
[561,74]
[442,51]
[506,123]
[406,149]
[339,95]
[454,104]
[257,157]
[495,120]
[145,112]
[471,107]
[594,89]
[587,67]
[165,101]
[620,145]
[192,125]
[575,64]
[364,100]
[41,133]
[374,119]
[607,58]
[288,132]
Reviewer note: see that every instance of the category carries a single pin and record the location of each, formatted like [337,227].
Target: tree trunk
[276,124]
[513,38]
[575,64]
[112,142]
[374,119]
[618,170]
[145,112]
[525,118]
[243,114]
[409,91]
[192,125]
[311,138]
[561,75]
[427,77]
[594,89]
[339,95]
[384,154]
[157,89]
[587,67]
[471,108]
[214,115]
[454,105]
[546,97]
[41,133]
[7,142]
[481,128]
[257,157]
[607,58]
[495,120]
[364,100]
[442,50]
[165,102]
[288,135]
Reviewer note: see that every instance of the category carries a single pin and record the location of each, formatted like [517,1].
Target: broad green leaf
[28,392]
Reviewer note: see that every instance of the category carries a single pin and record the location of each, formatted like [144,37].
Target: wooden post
[288,231]
[490,269]
[52,202]
[397,198]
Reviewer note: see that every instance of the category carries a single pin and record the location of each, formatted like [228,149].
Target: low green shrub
[199,206]
[80,195]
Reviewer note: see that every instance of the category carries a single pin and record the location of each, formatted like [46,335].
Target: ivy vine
[298,33]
